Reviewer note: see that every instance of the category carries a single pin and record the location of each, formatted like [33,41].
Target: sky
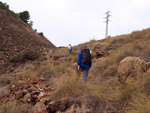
[74,22]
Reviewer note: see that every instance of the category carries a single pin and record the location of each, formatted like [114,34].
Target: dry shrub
[127,50]
[93,104]
[73,58]
[109,64]
[62,67]
[100,67]
[14,107]
[115,42]
[22,58]
[139,104]
[49,76]
[123,95]
[143,82]
[71,85]
[96,45]
[135,95]
[111,70]
[5,80]
[36,72]
[139,94]
[61,51]
[126,93]
[29,55]
[145,50]
[121,54]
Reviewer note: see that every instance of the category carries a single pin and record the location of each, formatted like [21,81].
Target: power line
[122,27]
[127,21]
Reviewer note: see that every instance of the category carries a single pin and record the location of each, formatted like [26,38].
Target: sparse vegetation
[15,107]
[72,86]
[24,16]
[41,33]
[4,6]
[139,104]
[102,85]
[29,55]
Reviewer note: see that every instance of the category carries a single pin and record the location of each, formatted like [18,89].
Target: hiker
[84,62]
[70,48]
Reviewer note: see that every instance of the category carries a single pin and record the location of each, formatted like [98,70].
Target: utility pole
[107,20]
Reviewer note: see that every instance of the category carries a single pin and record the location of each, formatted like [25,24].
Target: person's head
[85,47]
[69,45]
[82,49]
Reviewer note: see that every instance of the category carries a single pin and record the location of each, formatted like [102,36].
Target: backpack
[86,56]
[71,48]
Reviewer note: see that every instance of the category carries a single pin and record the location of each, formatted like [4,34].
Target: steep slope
[17,37]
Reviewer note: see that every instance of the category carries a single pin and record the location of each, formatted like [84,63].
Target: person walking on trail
[84,62]
[70,49]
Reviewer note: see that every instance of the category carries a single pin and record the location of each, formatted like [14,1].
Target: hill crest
[17,37]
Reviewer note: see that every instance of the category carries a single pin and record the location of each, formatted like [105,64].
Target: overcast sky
[73,22]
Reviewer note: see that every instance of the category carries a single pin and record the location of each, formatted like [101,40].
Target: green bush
[41,33]
[29,55]
[4,6]
[15,59]
[12,61]
[24,16]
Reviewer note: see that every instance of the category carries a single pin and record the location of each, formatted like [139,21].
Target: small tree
[24,16]
[4,6]
[31,23]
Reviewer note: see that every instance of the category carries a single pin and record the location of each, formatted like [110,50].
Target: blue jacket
[81,64]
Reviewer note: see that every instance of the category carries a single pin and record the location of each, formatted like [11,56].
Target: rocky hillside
[118,81]
[16,37]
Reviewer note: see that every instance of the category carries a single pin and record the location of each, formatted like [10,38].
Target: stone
[19,95]
[45,100]
[25,91]
[4,90]
[41,95]
[27,97]
[39,108]
[60,105]
[42,79]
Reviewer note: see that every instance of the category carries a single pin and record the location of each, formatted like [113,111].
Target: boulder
[39,108]
[60,105]
[131,66]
